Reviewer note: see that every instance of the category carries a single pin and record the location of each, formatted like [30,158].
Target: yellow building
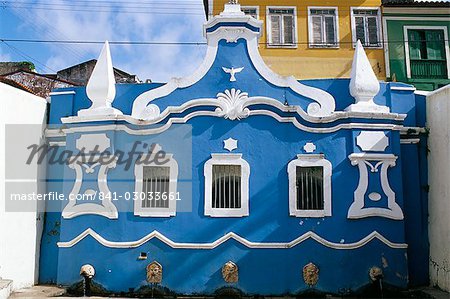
[314,39]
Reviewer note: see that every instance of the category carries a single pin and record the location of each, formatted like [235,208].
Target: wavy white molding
[154,115]
[101,89]
[357,209]
[162,128]
[231,236]
[323,102]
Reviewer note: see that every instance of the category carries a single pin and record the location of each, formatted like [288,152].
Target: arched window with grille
[226,186]
[310,186]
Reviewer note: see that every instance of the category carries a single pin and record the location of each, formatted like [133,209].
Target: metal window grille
[226,186]
[309,183]
[156,187]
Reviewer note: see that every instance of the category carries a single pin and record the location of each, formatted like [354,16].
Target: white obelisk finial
[364,85]
[101,89]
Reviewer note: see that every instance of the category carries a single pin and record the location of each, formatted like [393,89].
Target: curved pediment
[233,62]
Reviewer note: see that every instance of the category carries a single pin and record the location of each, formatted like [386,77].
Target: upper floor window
[323,27]
[155,187]
[252,11]
[226,186]
[281,26]
[366,26]
[426,52]
[309,186]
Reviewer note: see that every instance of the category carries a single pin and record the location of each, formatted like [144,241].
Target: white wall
[20,232]
[438,119]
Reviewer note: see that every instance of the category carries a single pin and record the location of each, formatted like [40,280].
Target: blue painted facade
[268,145]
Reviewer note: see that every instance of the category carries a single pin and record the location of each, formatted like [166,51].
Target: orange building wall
[306,63]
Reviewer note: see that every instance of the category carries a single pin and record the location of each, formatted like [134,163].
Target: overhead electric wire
[26,56]
[95,8]
[28,19]
[188,43]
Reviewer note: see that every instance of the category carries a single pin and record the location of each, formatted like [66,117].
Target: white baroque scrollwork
[377,163]
[105,208]
[322,103]
[151,112]
[232,35]
[231,104]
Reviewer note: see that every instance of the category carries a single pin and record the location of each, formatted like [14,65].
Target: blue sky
[99,20]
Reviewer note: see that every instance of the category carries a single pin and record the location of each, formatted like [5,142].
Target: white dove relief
[232,72]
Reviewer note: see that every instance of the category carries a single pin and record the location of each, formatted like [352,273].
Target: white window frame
[139,182]
[310,160]
[405,35]
[269,26]
[227,159]
[379,29]
[251,7]
[310,28]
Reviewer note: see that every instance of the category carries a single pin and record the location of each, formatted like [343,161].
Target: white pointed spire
[364,85]
[101,89]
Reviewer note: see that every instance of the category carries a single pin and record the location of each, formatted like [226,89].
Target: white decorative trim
[269,26]
[353,24]
[310,28]
[148,160]
[231,104]
[403,88]
[90,142]
[415,10]
[59,93]
[357,209]
[125,128]
[106,208]
[323,102]
[231,236]
[410,141]
[101,89]
[424,92]
[227,159]
[372,141]
[309,147]
[364,85]
[230,144]
[417,18]
[232,71]
[412,130]
[86,144]
[386,48]
[309,160]
[405,36]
